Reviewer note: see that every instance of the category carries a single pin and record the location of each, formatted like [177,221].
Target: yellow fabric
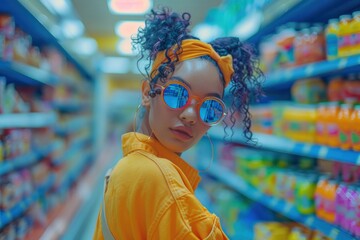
[192,48]
[150,195]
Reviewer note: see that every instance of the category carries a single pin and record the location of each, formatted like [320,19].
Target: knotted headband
[192,48]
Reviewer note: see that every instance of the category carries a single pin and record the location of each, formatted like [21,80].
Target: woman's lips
[182,133]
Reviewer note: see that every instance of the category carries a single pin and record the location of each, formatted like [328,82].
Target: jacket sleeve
[187,219]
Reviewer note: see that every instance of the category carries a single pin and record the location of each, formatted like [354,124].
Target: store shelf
[75,147]
[68,221]
[301,11]
[276,204]
[27,120]
[71,105]
[281,144]
[75,172]
[22,73]
[29,23]
[26,160]
[21,207]
[72,126]
[323,68]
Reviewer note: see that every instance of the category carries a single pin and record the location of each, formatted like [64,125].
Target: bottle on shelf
[355,33]
[331,36]
[320,135]
[340,209]
[344,45]
[330,199]
[319,197]
[316,44]
[343,120]
[355,126]
[332,131]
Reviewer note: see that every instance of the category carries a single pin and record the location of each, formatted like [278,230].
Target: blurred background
[69,88]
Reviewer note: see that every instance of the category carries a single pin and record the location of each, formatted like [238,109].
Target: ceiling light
[115,65]
[124,47]
[60,7]
[126,29]
[207,32]
[84,46]
[72,28]
[129,6]
[248,26]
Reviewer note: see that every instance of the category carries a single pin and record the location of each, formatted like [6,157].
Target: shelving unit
[324,68]
[278,205]
[277,87]
[8,216]
[41,35]
[281,144]
[28,159]
[27,120]
[71,140]
[301,11]
[26,74]
[73,125]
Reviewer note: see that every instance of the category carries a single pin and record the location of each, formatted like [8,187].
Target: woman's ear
[145,98]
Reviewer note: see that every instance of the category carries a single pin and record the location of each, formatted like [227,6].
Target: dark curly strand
[247,78]
[164,31]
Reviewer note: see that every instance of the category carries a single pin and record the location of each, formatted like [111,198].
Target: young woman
[150,192]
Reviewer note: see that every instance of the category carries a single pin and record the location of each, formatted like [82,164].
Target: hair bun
[163,29]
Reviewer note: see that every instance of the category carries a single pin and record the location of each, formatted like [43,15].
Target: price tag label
[257,195]
[309,221]
[358,160]
[274,201]
[334,233]
[309,70]
[288,207]
[342,63]
[323,152]
[307,148]
[8,215]
[288,74]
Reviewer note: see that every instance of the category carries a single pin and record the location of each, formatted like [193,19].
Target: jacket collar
[132,142]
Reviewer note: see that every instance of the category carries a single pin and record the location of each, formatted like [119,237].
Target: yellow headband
[192,48]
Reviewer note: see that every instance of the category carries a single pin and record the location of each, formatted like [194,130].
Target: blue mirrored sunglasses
[176,95]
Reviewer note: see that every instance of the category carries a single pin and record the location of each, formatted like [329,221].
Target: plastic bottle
[355,33]
[340,208]
[316,43]
[330,198]
[320,137]
[355,225]
[350,204]
[344,45]
[332,125]
[319,197]
[301,49]
[331,36]
[343,120]
[335,89]
[304,194]
[285,42]
[355,128]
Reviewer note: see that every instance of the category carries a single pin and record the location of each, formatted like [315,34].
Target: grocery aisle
[63,111]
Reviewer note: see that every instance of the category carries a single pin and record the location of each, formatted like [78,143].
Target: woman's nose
[188,115]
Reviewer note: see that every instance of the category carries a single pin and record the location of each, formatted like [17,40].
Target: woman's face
[180,129]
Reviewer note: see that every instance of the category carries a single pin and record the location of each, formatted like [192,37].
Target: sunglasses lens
[175,96]
[211,111]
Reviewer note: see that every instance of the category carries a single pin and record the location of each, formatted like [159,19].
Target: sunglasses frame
[199,101]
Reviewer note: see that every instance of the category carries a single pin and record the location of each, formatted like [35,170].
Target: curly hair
[165,30]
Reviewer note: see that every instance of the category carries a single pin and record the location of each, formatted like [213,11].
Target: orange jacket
[150,195]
